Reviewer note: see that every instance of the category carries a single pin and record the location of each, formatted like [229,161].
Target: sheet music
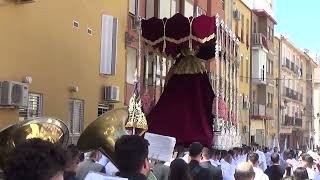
[161,147]
[99,176]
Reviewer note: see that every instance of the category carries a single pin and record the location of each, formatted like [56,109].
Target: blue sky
[300,21]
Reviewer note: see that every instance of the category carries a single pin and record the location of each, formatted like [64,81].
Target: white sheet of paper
[161,147]
[100,176]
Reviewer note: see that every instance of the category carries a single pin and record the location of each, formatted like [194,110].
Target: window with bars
[103,108]
[34,108]
[76,112]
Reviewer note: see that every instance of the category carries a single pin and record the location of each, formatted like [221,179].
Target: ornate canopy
[168,36]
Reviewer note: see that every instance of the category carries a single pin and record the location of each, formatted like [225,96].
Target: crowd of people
[41,160]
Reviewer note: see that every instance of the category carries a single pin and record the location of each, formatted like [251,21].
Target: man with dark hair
[226,167]
[307,162]
[275,172]
[205,162]
[215,157]
[244,171]
[259,174]
[131,156]
[35,159]
[72,161]
[89,164]
[197,172]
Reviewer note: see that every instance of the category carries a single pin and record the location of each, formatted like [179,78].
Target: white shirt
[111,169]
[268,158]
[215,163]
[103,160]
[259,174]
[317,176]
[262,160]
[227,170]
[311,173]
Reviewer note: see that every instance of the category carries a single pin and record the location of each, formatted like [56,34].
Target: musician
[131,156]
[90,164]
[35,159]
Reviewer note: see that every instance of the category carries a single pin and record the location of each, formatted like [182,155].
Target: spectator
[275,172]
[35,159]
[215,172]
[244,171]
[73,159]
[131,156]
[161,171]
[179,170]
[89,164]
[197,172]
[300,174]
[215,157]
[227,169]
[259,174]
[307,162]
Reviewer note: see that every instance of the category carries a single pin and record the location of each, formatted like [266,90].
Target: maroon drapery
[184,110]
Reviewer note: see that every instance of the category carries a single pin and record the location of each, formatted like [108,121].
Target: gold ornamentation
[137,118]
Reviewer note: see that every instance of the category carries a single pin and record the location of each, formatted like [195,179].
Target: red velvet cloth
[169,36]
[184,110]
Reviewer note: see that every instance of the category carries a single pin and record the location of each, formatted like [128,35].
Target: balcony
[259,110]
[259,39]
[292,121]
[290,93]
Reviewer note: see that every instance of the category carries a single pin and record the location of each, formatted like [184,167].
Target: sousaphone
[45,128]
[103,133]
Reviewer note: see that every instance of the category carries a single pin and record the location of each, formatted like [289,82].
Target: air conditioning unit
[237,15]
[23,1]
[13,94]
[111,94]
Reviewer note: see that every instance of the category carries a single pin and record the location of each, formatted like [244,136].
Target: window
[131,64]
[109,45]
[270,100]
[149,69]
[149,9]
[268,32]
[247,70]
[242,28]
[175,7]
[200,11]
[188,8]
[168,8]
[133,6]
[247,33]
[241,69]
[254,27]
[237,29]
[103,108]
[34,108]
[270,67]
[76,112]
[272,34]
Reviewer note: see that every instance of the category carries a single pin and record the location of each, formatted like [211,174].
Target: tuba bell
[45,128]
[103,133]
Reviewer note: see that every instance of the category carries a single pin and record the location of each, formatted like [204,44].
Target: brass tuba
[103,133]
[45,128]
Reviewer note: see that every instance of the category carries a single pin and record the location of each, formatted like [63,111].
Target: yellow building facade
[241,26]
[58,44]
